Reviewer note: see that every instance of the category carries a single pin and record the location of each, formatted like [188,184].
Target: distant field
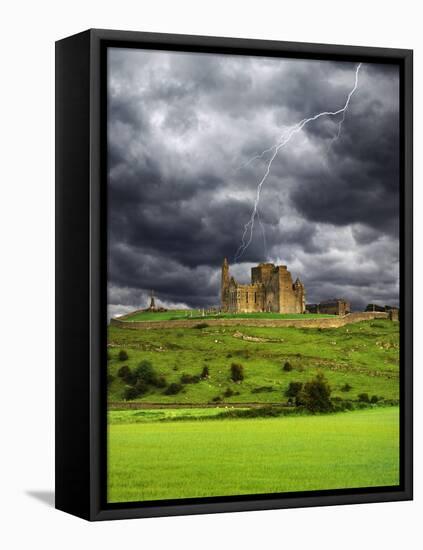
[175,314]
[154,460]
[364,355]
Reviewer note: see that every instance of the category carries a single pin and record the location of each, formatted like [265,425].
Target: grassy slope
[365,355]
[173,314]
[228,457]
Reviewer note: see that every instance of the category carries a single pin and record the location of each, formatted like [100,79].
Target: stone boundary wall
[325,322]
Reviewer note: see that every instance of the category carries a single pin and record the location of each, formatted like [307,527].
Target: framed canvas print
[234,274]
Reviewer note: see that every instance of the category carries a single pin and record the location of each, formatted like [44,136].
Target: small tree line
[313,395]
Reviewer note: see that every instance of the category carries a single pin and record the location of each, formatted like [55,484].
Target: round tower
[300,296]
[224,286]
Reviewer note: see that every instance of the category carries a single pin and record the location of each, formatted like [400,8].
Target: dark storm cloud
[181,130]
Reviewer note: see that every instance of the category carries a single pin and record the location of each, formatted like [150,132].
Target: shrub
[123,371]
[228,392]
[374,399]
[205,372]
[122,356]
[217,399]
[316,395]
[342,406]
[200,325]
[237,372]
[287,366]
[141,386]
[173,388]
[364,398]
[258,412]
[294,389]
[127,375]
[346,387]
[129,393]
[161,382]
[190,379]
[145,370]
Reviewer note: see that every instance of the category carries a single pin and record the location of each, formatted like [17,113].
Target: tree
[237,372]
[126,374]
[316,394]
[294,393]
[145,370]
[205,372]
[173,388]
[123,356]
[141,387]
[364,397]
[294,389]
[287,366]
[129,393]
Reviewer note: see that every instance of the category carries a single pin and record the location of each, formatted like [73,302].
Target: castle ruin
[271,289]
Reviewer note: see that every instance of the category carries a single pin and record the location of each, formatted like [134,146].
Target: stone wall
[393,314]
[325,322]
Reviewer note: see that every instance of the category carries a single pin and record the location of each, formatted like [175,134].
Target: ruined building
[337,306]
[153,308]
[271,289]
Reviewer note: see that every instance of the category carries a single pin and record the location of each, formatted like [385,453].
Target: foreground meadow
[151,460]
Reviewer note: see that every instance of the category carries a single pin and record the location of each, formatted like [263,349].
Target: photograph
[253,274]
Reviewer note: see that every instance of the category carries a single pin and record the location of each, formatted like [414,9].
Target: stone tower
[224,285]
[300,295]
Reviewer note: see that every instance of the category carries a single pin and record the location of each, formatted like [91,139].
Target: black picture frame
[81,273]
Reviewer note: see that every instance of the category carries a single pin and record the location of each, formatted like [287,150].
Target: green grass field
[364,355]
[175,314]
[173,446]
[163,460]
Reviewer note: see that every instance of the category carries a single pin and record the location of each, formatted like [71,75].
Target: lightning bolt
[284,139]
[263,232]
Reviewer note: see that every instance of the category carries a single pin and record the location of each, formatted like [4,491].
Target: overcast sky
[182,127]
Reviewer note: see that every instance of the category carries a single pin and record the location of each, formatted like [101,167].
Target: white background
[28,32]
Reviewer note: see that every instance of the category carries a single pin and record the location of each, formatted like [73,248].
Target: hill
[357,358]
[179,314]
